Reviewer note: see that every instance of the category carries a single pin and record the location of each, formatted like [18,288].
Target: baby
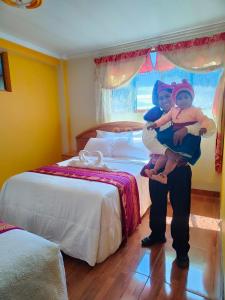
[183,114]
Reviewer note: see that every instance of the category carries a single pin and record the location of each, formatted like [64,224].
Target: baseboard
[205,193]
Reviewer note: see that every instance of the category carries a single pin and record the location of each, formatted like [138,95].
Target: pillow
[126,149]
[137,133]
[110,135]
[99,144]
[137,136]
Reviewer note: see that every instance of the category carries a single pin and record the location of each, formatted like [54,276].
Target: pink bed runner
[6,227]
[125,182]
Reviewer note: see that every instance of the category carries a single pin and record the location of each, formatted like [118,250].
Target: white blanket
[83,217]
[31,268]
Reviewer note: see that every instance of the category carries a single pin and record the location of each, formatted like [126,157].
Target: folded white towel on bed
[84,153]
[92,160]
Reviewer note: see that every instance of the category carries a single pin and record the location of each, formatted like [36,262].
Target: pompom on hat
[160,86]
[184,86]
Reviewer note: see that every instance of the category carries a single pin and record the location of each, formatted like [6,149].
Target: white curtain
[202,59]
[111,75]
[199,59]
[103,103]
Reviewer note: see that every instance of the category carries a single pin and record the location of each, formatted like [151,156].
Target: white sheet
[83,217]
[30,268]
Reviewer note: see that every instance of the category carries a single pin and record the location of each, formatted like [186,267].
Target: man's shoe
[149,241]
[182,261]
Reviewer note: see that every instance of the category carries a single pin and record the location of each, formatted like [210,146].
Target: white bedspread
[83,217]
[31,268]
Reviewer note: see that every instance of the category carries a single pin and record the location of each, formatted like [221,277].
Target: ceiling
[67,28]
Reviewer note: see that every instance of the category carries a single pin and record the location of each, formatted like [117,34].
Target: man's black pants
[179,188]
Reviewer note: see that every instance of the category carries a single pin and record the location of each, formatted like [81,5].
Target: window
[131,101]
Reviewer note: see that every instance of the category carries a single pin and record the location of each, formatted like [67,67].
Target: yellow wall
[29,115]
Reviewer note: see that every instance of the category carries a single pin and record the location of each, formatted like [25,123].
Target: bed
[83,217]
[30,267]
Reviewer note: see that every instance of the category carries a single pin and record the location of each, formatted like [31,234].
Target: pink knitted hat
[184,86]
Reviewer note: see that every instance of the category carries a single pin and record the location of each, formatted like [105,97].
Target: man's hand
[179,135]
[202,131]
[153,126]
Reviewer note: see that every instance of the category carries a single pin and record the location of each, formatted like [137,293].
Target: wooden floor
[134,272]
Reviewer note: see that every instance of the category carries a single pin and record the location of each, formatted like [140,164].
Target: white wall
[204,175]
[82,103]
[81,93]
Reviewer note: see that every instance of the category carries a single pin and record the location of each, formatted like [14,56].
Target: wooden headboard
[120,126]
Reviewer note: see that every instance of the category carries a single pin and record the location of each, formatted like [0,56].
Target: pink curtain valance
[192,43]
[162,48]
[121,56]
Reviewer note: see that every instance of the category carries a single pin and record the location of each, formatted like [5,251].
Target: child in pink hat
[183,114]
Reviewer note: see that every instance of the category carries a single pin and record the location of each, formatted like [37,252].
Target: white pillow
[125,149]
[99,144]
[110,135]
[137,134]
